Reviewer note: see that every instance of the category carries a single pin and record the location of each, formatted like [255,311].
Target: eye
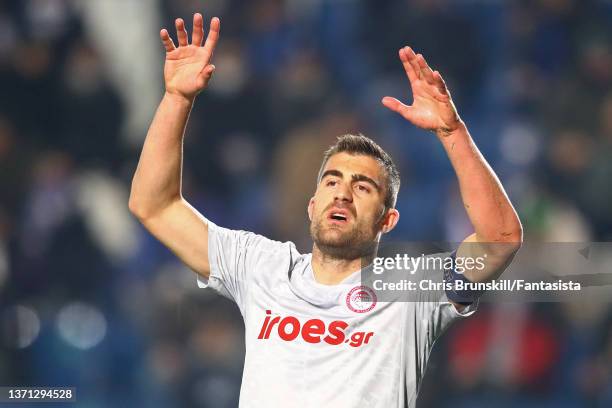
[363,188]
[331,183]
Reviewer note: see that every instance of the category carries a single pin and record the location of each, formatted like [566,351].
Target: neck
[330,270]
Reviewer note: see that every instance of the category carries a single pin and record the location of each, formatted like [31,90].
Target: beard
[341,243]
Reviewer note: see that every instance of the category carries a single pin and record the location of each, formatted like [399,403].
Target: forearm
[498,231]
[157,180]
[486,203]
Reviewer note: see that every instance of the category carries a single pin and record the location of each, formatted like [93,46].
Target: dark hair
[360,144]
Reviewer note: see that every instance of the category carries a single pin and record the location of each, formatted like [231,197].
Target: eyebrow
[354,177]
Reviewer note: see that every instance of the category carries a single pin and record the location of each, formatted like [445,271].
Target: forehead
[350,164]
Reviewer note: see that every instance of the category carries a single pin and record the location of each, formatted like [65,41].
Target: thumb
[397,106]
[209,69]
[205,75]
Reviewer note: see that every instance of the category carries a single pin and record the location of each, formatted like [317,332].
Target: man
[315,336]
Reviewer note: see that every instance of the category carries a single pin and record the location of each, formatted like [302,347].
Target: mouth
[338,216]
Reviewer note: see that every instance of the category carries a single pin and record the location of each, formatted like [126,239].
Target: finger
[399,107]
[440,84]
[166,40]
[425,70]
[213,36]
[412,59]
[198,30]
[205,75]
[412,75]
[181,33]
[208,70]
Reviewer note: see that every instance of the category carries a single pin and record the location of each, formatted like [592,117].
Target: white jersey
[314,345]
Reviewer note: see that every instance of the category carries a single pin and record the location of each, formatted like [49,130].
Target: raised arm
[155,197]
[498,232]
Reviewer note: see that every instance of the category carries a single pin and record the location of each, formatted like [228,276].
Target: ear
[310,208]
[390,220]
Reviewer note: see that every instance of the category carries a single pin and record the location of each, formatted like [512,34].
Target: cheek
[370,212]
[319,204]
[315,211]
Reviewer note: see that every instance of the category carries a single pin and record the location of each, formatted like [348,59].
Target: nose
[343,193]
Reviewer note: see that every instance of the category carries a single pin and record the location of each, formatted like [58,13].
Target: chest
[279,316]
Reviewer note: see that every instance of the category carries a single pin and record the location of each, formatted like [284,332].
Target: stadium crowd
[89,299]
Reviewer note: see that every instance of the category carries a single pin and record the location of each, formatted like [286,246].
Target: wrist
[179,98]
[445,134]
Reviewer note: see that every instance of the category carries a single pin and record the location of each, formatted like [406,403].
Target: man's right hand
[188,69]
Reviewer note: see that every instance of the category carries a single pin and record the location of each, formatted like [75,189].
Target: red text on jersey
[313,331]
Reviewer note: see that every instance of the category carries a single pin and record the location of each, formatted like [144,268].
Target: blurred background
[89,299]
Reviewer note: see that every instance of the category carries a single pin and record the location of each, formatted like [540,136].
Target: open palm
[188,69]
[432,108]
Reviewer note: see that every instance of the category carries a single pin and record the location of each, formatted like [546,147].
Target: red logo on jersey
[361,299]
[312,331]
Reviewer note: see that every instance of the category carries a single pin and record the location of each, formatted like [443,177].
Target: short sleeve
[234,256]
